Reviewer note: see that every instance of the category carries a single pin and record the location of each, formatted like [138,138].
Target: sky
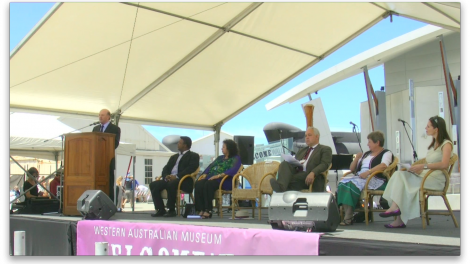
[339,110]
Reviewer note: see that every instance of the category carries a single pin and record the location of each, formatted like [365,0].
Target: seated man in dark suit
[315,159]
[107,127]
[183,163]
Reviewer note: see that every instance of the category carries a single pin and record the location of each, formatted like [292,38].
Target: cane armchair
[425,193]
[258,176]
[179,191]
[325,175]
[367,194]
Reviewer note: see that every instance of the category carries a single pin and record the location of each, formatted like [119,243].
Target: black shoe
[170,214]
[275,185]
[160,213]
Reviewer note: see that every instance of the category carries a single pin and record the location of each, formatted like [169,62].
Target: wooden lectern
[87,160]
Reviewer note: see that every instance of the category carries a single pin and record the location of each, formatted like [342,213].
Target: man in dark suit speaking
[106,126]
[183,163]
[315,159]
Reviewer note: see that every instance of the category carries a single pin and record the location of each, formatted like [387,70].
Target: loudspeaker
[246,147]
[96,205]
[40,205]
[294,210]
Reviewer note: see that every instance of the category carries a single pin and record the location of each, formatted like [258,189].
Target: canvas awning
[190,65]
[371,58]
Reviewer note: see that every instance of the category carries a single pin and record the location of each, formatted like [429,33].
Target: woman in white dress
[350,188]
[402,192]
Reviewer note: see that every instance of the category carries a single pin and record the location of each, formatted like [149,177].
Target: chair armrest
[349,172]
[266,175]
[429,173]
[223,180]
[240,174]
[324,174]
[202,177]
[185,177]
[366,186]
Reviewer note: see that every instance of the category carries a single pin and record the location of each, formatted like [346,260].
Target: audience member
[119,194]
[56,182]
[30,183]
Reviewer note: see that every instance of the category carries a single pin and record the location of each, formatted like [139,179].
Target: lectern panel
[73,192]
[80,161]
[87,166]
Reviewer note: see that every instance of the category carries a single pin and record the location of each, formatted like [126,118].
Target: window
[148,171]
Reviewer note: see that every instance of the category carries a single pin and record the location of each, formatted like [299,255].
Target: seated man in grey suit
[315,159]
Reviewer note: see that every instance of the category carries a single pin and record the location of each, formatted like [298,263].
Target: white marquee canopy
[189,65]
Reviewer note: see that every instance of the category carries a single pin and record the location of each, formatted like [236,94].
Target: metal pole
[19,243]
[101,248]
[133,184]
[217,128]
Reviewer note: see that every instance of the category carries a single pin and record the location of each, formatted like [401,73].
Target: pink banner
[126,238]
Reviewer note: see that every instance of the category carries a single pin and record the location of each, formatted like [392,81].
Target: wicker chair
[179,191]
[425,193]
[220,192]
[257,175]
[325,175]
[368,195]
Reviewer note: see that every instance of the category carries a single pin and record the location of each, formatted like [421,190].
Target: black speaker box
[300,211]
[246,147]
[96,205]
[37,206]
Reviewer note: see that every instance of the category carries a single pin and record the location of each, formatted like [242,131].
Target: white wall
[159,160]
[424,66]
[130,133]
[205,145]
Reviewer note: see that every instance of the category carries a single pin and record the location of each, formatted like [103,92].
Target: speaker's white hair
[315,130]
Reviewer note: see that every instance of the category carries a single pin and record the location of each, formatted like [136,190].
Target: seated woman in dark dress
[30,183]
[208,183]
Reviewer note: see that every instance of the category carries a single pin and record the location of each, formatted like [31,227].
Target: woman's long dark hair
[231,147]
[439,123]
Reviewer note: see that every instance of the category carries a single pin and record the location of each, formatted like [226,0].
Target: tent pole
[217,128]
[133,183]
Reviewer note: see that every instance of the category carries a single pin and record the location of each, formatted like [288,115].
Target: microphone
[403,121]
[96,123]
[353,124]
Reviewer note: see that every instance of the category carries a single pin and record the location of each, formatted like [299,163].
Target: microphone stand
[280,140]
[415,156]
[62,135]
[357,135]
[291,152]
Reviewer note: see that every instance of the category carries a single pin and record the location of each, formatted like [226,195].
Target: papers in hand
[291,160]
[405,165]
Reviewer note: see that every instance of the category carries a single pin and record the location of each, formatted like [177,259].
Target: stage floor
[441,230]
